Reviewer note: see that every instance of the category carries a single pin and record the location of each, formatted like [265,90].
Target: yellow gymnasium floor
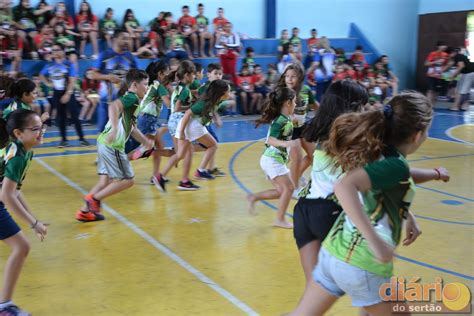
[201,253]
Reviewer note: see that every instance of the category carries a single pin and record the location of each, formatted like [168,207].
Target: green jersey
[386,205]
[127,119]
[152,102]
[202,22]
[13,106]
[304,100]
[281,129]
[6,21]
[133,23]
[202,90]
[197,109]
[177,40]
[195,85]
[295,42]
[108,26]
[14,163]
[183,94]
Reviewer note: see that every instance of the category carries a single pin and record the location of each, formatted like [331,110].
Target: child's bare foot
[251,199]
[282,224]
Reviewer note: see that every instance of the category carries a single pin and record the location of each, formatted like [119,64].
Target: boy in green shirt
[113,167]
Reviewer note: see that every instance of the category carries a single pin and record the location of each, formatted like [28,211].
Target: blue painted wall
[436,6]
[391,25]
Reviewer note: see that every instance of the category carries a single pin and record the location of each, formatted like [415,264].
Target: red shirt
[84,18]
[246,83]
[90,85]
[257,78]
[440,59]
[186,22]
[358,58]
[219,22]
[312,42]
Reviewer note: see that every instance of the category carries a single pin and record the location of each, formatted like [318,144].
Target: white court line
[155,243]
[450,134]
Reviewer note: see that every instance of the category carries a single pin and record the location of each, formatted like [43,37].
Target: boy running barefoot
[113,167]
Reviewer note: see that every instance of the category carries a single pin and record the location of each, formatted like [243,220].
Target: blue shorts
[148,124]
[338,278]
[8,227]
[173,122]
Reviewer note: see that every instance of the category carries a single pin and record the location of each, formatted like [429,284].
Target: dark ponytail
[359,138]
[214,93]
[272,108]
[154,68]
[16,120]
[185,67]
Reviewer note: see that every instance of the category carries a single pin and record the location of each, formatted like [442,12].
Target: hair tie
[387,111]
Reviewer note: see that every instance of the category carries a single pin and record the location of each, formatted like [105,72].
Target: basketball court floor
[201,253]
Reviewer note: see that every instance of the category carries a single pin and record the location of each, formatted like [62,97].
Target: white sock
[5,304]
[202,170]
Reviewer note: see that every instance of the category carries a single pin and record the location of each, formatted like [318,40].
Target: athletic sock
[5,304]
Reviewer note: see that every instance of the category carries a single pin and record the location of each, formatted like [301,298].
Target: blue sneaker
[203,175]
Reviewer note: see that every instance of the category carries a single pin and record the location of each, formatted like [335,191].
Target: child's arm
[424,175]
[272,141]
[184,123]
[217,120]
[347,193]
[115,108]
[142,139]
[179,107]
[412,229]
[166,101]
[13,202]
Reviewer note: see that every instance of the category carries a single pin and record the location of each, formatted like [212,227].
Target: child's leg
[85,107]
[309,258]
[296,158]
[20,249]
[181,153]
[188,160]
[286,189]
[315,301]
[243,100]
[211,144]
[271,194]
[93,106]
[157,153]
[194,40]
[308,159]
[114,187]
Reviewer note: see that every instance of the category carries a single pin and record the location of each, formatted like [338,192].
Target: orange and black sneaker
[89,216]
[93,205]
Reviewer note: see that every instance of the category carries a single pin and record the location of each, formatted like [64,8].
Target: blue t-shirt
[326,59]
[59,73]
[111,62]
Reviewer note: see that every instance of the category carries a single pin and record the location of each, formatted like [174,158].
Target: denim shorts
[8,226]
[175,117]
[148,124]
[338,278]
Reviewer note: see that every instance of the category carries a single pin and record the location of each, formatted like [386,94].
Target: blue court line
[440,157]
[65,153]
[244,188]
[444,221]
[446,193]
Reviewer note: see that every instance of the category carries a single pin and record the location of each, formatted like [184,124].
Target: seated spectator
[287,57]
[155,35]
[272,77]
[43,13]
[41,104]
[312,44]
[323,65]
[61,16]
[465,69]
[188,29]
[88,26]
[388,71]
[44,42]
[66,40]
[203,31]
[218,23]
[295,42]
[246,88]
[436,61]
[366,78]
[248,60]
[228,39]
[340,56]
[131,24]
[284,39]
[6,84]
[24,18]
[11,47]
[389,84]
[108,25]
[358,56]
[260,86]
[88,98]
[174,44]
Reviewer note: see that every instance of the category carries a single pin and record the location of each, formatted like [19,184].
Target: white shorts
[194,130]
[466,83]
[272,168]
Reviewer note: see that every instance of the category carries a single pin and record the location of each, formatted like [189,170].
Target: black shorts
[436,84]
[298,132]
[313,219]
[8,227]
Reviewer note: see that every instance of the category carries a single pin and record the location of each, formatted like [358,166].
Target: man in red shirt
[188,28]
[219,22]
[435,62]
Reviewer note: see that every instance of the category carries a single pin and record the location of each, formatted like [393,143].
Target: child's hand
[412,230]
[40,230]
[44,117]
[383,252]
[111,137]
[443,174]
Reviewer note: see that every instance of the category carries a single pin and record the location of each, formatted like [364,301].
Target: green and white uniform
[13,106]
[274,159]
[14,162]
[196,127]
[184,95]
[202,22]
[386,205]
[152,102]
[304,100]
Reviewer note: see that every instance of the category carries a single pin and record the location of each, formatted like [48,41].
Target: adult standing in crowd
[465,68]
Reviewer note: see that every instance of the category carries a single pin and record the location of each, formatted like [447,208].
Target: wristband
[34,225]
[439,173]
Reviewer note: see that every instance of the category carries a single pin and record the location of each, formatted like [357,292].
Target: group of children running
[349,216]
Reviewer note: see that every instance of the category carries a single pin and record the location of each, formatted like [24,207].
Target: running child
[192,127]
[356,257]
[113,167]
[277,111]
[18,135]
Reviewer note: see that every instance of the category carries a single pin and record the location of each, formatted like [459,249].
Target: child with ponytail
[24,93]
[278,111]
